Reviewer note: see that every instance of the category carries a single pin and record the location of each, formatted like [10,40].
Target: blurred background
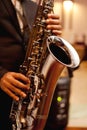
[74,21]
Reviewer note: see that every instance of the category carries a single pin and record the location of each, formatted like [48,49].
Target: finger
[11,94]
[21,77]
[54,27]
[53,16]
[57,32]
[17,81]
[20,84]
[9,89]
[53,21]
[18,92]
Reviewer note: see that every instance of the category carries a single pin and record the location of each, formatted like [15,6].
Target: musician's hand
[54,23]
[14,84]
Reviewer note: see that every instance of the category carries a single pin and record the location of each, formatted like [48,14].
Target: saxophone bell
[63,51]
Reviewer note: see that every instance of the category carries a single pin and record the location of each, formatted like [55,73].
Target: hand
[53,23]
[14,84]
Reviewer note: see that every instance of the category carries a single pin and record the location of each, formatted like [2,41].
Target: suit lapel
[11,11]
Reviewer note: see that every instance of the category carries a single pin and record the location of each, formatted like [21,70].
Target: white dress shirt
[18,8]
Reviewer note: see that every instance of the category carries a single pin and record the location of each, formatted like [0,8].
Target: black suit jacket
[11,39]
[11,53]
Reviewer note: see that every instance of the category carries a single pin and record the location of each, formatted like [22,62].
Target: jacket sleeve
[2,71]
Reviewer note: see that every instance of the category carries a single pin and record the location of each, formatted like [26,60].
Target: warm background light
[68,4]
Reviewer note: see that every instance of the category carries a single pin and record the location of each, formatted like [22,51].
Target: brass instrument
[46,57]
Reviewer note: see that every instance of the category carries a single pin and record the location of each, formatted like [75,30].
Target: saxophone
[46,57]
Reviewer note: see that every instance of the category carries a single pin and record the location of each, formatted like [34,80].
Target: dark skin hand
[54,23]
[11,81]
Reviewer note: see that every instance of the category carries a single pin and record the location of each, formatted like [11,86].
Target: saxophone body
[46,57]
